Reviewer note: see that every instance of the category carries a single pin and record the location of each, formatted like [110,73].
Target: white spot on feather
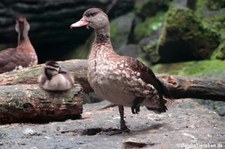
[122,65]
[138,74]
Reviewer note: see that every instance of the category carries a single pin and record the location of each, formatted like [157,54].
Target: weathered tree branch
[29,103]
[29,75]
[22,100]
[189,87]
[179,86]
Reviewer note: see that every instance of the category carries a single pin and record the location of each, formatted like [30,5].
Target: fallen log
[29,103]
[178,86]
[78,68]
[190,87]
[21,100]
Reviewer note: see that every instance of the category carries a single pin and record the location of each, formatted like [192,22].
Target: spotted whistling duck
[24,54]
[122,80]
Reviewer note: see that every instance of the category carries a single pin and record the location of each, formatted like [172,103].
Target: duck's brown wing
[146,74]
[10,58]
[5,60]
[6,55]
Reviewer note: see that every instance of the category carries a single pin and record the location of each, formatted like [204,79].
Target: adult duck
[122,80]
[24,54]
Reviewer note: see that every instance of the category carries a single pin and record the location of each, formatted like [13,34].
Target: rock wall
[50,23]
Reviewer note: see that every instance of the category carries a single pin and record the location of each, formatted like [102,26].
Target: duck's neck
[23,37]
[102,36]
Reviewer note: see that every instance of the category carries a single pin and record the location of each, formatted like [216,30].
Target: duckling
[55,78]
[24,54]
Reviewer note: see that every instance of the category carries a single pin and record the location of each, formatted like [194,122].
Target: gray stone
[187,123]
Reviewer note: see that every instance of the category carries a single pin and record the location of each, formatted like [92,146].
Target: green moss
[210,11]
[211,5]
[138,6]
[115,33]
[216,23]
[147,8]
[80,52]
[207,68]
[184,37]
[201,6]
[208,5]
[151,53]
[150,25]
[219,53]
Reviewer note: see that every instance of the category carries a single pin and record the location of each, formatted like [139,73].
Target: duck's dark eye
[91,14]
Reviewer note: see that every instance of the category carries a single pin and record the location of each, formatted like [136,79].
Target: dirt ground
[187,124]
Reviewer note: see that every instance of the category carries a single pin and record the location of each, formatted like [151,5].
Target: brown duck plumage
[24,54]
[122,80]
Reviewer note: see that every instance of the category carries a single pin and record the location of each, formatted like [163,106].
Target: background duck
[55,78]
[24,54]
[122,80]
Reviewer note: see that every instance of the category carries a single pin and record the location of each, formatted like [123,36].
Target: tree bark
[21,99]
[178,86]
[29,103]
[190,87]
[78,68]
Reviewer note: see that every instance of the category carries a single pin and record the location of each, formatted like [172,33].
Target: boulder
[148,33]
[184,37]
[147,8]
[220,52]
[213,14]
[120,28]
[188,123]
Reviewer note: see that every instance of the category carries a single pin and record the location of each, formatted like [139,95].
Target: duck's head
[21,24]
[94,18]
[52,68]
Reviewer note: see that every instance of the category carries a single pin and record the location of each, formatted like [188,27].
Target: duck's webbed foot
[135,108]
[123,127]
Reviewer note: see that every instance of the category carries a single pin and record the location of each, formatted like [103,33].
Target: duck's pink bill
[82,22]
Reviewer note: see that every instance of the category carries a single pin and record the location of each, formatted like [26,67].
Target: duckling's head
[52,68]
[94,18]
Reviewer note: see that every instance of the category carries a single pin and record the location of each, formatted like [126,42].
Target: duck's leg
[135,108]
[123,126]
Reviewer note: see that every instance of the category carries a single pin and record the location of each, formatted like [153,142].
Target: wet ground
[187,124]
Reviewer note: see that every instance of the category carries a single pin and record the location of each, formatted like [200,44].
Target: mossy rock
[184,37]
[150,52]
[120,29]
[213,14]
[220,52]
[147,33]
[216,23]
[148,27]
[209,5]
[207,68]
[148,8]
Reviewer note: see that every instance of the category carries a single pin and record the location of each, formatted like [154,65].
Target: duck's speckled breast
[104,77]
